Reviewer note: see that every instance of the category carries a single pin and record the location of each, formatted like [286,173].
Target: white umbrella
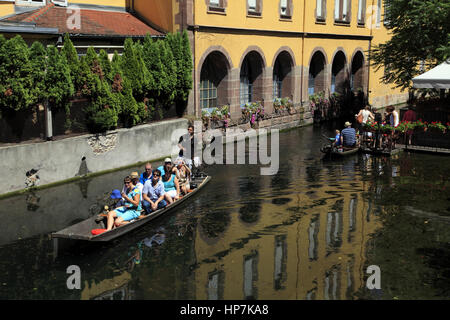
[437,78]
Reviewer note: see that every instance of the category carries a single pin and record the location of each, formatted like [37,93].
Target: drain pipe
[303,53]
[369,56]
[194,69]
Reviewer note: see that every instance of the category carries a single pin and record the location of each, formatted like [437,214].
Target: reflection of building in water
[116,288]
[251,276]
[331,287]
[280,262]
[313,230]
[305,248]
[215,285]
[352,217]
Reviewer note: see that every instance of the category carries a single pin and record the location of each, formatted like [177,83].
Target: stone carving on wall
[102,143]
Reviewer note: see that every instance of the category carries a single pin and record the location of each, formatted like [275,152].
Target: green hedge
[148,77]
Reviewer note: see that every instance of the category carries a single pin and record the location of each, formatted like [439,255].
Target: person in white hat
[348,136]
[168,165]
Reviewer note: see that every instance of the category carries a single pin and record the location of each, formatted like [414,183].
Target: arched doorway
[251,78]
[283,85]
[339,73]
[357,74]
[214,81]
[317,71]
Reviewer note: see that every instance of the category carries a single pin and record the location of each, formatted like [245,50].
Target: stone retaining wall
[38,164]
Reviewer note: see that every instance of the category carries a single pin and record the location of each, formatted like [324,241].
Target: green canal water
[309,232]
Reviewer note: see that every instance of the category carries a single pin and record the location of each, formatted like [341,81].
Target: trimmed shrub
[134,69]
[16,75]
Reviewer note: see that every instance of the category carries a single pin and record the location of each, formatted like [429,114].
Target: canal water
[309,232]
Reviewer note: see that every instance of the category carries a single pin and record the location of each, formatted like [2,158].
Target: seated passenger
[137,183]
[147,174]
[183,174]
[171,187]
[153,193]
[167,165]
[131,208]
[337,139]
[348,136]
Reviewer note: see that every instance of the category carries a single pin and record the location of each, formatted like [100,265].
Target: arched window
[245,84]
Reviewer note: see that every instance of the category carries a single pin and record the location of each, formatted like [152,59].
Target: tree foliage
[58,83]
[420,39]
[148,76]
[134,69]
[16,75]
[180,47]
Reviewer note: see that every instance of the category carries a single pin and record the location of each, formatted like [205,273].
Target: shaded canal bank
[309,232]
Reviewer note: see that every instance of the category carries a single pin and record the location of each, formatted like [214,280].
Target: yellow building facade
[259,50]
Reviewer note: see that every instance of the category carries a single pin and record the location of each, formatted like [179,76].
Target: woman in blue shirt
[131,208]
[171,187]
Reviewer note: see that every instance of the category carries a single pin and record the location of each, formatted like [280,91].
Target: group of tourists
[389,118]
[153,189]
[349,136]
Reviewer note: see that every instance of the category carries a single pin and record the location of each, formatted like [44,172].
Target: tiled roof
[90,22]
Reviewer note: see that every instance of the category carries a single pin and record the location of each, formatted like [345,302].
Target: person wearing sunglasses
[131,208]
[153,193]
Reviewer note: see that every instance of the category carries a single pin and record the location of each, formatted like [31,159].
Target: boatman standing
[188,152]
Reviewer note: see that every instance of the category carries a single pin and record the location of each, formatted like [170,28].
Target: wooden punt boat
[82,230]
[329,151]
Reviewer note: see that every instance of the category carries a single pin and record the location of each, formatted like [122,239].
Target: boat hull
[82,230]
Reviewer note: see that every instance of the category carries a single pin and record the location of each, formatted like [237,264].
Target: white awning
[437,78]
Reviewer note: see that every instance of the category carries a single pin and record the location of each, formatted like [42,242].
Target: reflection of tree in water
[250,211]
[249,190]
[215,222]
[32,201]
[280,181]
[313,173]
[413,254]
[29,273]
[83,185]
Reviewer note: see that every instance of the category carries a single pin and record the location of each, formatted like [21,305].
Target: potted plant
[205,119]
[226,115]
[319,106]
